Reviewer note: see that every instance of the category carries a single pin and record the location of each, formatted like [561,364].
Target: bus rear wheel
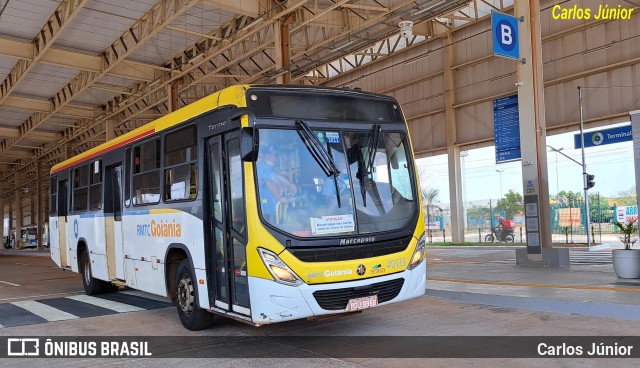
[92,285]
[191,315]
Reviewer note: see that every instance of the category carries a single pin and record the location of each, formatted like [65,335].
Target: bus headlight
[278,269]
[419,254]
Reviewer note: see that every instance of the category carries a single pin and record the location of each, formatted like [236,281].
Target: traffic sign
[602,137]
[505,35]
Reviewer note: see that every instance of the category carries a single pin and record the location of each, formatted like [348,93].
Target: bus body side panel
[148,232]
[89,228]
[54,240]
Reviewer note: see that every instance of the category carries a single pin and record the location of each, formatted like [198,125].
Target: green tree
[598,208]
[627,197]
[430,195]
[511,204]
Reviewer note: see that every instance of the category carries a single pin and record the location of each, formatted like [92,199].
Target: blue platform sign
[602,137]
[505,35]
[506,127]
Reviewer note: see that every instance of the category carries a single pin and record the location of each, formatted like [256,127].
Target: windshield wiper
[372,146]
[322,156]
[366,168]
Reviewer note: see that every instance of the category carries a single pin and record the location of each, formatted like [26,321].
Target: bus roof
[233,95]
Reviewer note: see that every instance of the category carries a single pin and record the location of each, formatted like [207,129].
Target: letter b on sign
[505,35]
[505,30]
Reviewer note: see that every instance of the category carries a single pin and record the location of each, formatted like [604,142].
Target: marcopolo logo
[597,139]
[162,229]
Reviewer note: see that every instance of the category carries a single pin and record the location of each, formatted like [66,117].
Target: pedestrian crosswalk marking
[32,312]
[104,303]
[51,314]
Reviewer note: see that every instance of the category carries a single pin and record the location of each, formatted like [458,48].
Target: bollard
[444,236]
[566,234]
[479,236]
[521,235]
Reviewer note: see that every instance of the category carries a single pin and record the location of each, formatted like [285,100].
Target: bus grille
[337,299]
[349,252]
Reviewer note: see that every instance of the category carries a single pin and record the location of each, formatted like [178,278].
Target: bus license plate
[362,303]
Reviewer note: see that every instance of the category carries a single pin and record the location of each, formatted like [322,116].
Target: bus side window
[146,173]
[180,172]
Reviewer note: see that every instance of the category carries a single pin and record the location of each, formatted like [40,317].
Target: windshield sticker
[332,224]
[320,136]
[333,137]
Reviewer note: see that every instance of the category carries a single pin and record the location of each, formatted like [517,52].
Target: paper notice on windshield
[332,224]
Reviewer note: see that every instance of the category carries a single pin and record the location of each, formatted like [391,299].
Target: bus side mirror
[249,144]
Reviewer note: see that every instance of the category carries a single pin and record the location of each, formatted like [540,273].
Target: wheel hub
[185,294]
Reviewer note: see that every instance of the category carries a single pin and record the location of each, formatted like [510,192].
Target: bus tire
[91,285]
[191,315]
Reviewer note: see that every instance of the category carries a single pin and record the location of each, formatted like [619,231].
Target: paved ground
[469,291]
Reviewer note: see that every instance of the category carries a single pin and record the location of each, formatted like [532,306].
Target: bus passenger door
[226,225]
[113,222]
[63,209]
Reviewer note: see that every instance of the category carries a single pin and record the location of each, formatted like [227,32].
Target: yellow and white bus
[260,203]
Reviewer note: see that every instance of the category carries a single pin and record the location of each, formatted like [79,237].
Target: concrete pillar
[635,130]
[533,130]
[453,151]
[2,233]
[18,206]
[39,209]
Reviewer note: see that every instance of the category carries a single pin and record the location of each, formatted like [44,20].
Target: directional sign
[505,35]
[602,137]
[506,127]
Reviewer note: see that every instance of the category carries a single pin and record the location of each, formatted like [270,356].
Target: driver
[273,186]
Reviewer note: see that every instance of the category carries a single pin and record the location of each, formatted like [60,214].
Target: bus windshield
[335,182]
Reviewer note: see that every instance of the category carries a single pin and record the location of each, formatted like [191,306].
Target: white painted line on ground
[104,303]
[45,311]
[38,296]
[9,283]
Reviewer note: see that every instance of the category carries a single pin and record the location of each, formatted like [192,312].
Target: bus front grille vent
[349,252]
[337,299]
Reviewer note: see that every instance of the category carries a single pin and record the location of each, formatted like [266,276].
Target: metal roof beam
[251,8]
[76,60]
[159,16]
[58,21]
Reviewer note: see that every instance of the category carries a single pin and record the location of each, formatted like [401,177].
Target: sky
[611,164]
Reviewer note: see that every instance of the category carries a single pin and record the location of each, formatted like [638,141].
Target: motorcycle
[502,235]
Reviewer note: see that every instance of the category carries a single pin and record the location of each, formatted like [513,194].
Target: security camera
[518,84]
[406,28]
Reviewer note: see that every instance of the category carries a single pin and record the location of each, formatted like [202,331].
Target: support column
[18,207]
[109,130]
[2,233]
[453,151]
[533,128]
[282,52]
[635,131]
[39,208]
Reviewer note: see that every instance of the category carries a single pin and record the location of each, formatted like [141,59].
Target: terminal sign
[505,35]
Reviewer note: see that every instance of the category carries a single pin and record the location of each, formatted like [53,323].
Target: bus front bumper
[272,302]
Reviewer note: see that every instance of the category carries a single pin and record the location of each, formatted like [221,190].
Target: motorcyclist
[502,228]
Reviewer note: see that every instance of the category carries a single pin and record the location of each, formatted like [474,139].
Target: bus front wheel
[191,315]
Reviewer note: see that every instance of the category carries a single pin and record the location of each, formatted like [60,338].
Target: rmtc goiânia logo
[597,139]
